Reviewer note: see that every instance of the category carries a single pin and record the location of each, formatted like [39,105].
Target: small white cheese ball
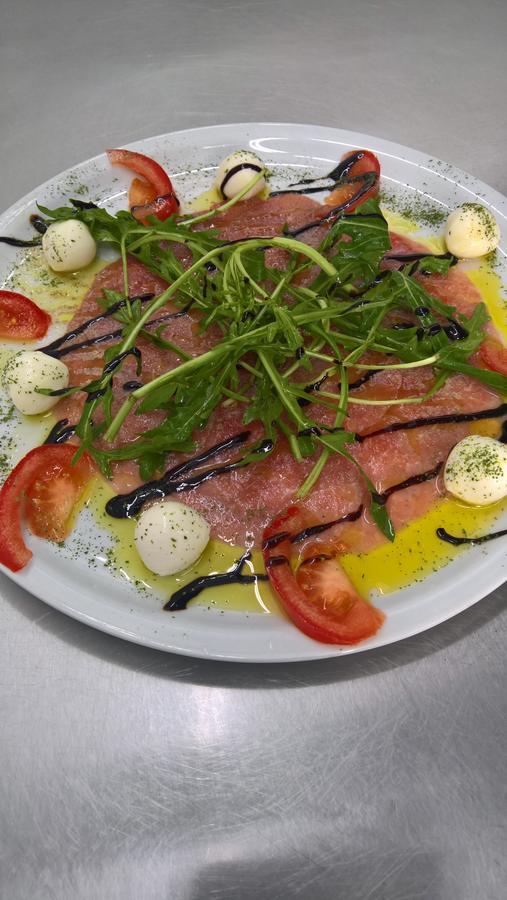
[236,171]
[33,369]
[68,246]
[170,537]
[471,231]
[476,470]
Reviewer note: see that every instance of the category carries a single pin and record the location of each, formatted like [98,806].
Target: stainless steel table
[126,773]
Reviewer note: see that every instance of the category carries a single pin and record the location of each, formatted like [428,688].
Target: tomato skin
[493,356]
[160,207]
[343,617]
[52,495]
[141,193]
[156,197]
[342,193]
[21,319]
[20,489]
[144,166]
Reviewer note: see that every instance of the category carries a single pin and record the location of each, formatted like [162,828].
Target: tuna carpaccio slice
[239,504]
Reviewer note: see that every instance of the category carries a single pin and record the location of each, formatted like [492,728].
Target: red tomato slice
[43,486]
[343,193]
[319,598]
[141,193]
[53,494]
[21,319]
[160,207]
[493,356]
[157,198]
[144,166]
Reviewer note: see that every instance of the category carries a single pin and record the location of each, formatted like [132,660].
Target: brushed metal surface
[126,773]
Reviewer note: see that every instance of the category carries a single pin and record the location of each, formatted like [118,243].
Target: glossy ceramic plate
[78,583]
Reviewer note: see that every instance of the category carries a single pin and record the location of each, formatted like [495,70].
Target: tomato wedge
[493,356]
[160,207]
[43,488]
[144,166]
[21,319]
[352,192]
[319,597]
[157,197]
[141,193]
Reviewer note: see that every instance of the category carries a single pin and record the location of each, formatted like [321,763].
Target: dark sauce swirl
[19,242]
[41,225]
[127,505]
[450,419]
[59,351]
[234,171]
[60,432]
[409,482]
[338,174]
[36,222]
[79,329]
[457,541]
[323,526]
[235,575]
[367,182]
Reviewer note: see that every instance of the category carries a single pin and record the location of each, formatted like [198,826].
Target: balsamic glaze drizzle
[275,539]
[416,257]
[126,505]
[117,360]
[363,379]
[316,385]
[318,529]
[320,557]
[75,332]
[60,351]
[455,331]
[339,173]
[235,575]
[60,432]
[18,242]
[450,419]
[84,204]
[311,388]
[409,482]
[335,210]
[453,539]
[40,224]
[276,561]
[234,171]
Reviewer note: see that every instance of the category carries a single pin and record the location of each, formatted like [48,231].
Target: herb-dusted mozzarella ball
[68,246]
[236,171]
[33,369]
[471,230]
[170,537]
[476,470]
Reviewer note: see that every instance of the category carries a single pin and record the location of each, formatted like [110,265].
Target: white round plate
[92,594]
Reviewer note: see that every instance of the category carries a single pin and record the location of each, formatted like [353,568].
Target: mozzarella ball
[68,246]
[33,369]
[236,171]
[471,231]
[476,470]
[170,537]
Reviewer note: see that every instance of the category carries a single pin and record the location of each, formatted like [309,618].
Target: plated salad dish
[271,388]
